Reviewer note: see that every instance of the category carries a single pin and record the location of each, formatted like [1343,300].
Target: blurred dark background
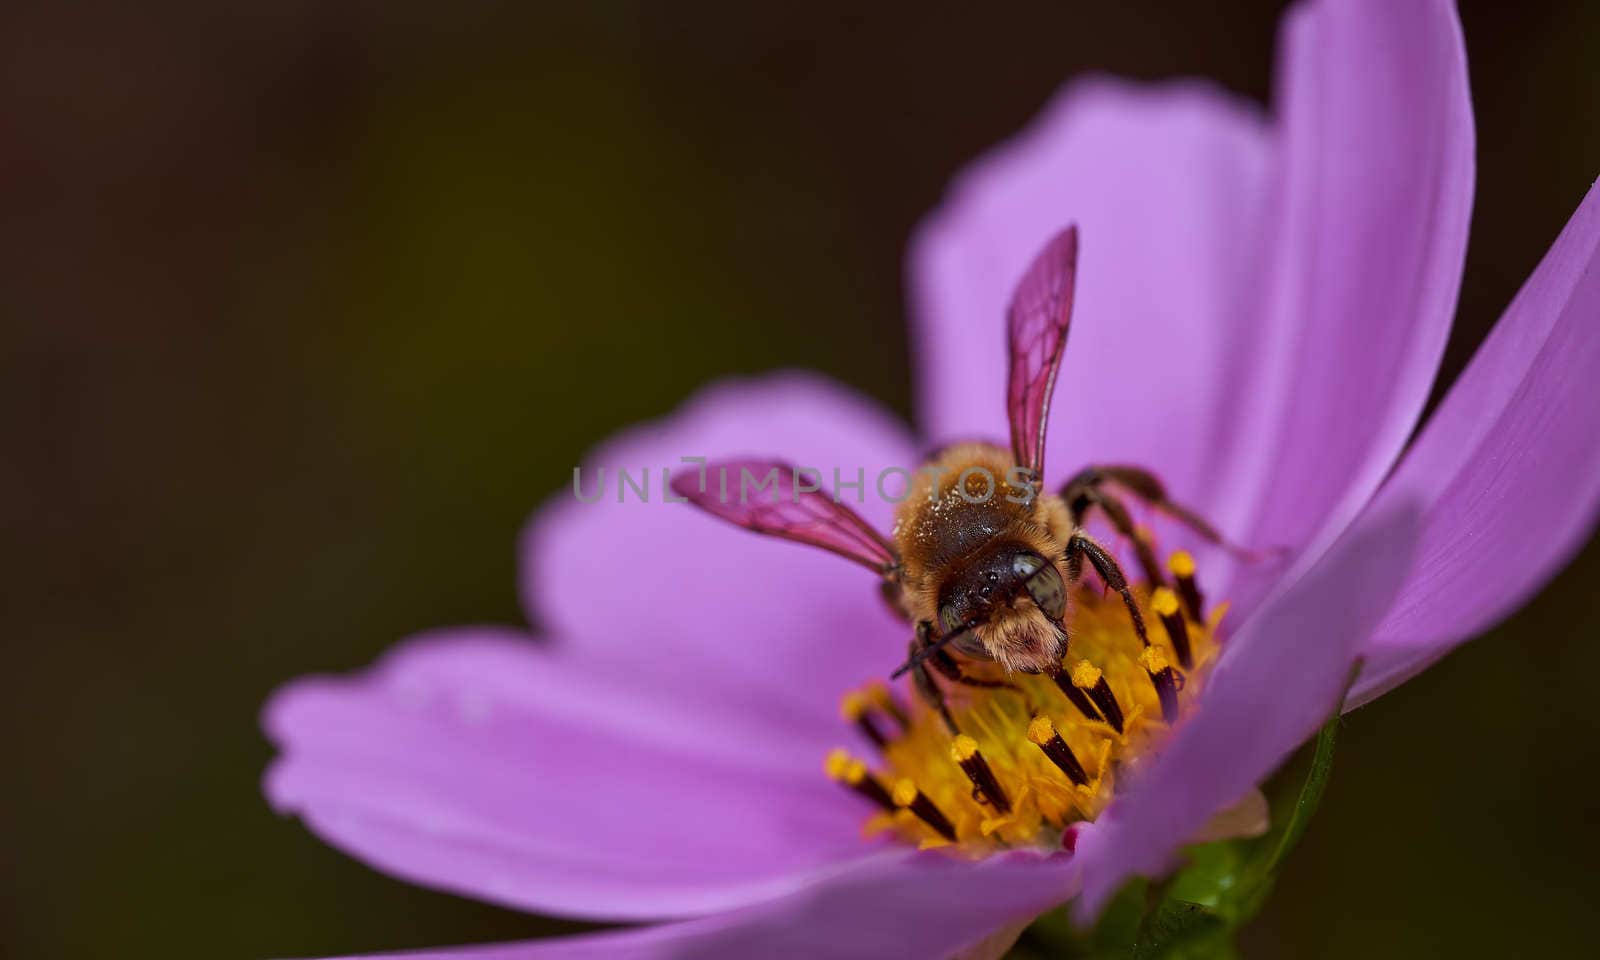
[307,305]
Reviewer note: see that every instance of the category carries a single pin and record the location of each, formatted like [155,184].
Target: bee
[981,562]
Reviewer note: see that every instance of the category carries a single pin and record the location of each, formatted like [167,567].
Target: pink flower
[1261,308]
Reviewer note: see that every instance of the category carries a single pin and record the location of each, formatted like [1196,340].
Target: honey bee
[981,562]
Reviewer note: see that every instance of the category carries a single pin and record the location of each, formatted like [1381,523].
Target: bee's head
[1013,600]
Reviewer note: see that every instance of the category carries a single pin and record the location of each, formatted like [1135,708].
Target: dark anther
[862,710]
[1166,684]
[853,774]
[984,783]
[1107,702]
[1078,697]
[1166,606]
[907,795]
[1043,733]
[1193,600]
[886,701]
[869,728]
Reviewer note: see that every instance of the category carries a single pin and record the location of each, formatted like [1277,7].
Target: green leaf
[1273,849]
[1195,914]
[1305,805]
[1264,856]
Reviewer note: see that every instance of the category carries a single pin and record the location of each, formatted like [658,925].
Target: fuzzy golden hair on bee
[959,504]
[1023,639]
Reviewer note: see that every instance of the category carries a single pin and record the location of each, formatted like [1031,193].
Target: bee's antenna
[916,659]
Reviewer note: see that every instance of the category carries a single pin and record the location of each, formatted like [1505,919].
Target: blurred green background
[307,305]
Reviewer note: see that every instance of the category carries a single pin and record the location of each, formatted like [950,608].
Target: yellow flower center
[1038,753]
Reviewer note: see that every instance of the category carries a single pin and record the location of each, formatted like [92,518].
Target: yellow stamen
[1043,733]
[907,795]
[1188,591]
[886,702]
[835,765]
[964,751]
[856,707]
[1164,679]
[1086,675]
[1165,603]
[1012,776]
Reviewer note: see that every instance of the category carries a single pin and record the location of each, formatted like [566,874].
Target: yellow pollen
[855,772]
[1041,731]
[1164,601]
[853,706]
[1181,563]
[963,748]
[836,764]
[905,792]
[1085,675]
[878,693]
[1153,659]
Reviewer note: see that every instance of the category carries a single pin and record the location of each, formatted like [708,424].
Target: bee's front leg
[930,692]
[950,669]
[1081,547]
[947,665]
[1088,489]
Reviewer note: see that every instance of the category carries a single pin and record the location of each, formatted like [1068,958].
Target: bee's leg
[1088,489]
[1085,491]
[948,666]
[1081,547]
[1147,487]
[935,697]
[929,691]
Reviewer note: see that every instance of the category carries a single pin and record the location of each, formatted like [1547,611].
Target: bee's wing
[1041,309]
[743,492]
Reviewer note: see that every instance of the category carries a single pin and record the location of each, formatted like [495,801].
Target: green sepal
[1196,913]
[1177,928]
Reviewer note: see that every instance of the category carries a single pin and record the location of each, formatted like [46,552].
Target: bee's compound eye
[1043,583]
[949,619]
[1026,564]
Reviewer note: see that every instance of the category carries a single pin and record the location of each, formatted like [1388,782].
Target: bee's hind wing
[769,496]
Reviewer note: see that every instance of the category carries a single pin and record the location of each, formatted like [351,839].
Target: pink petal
[901,904]
[706,609]
[475,761]
[1277,681]
[1376,161]
[1168,186]
[1508,469]
[1260,314]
